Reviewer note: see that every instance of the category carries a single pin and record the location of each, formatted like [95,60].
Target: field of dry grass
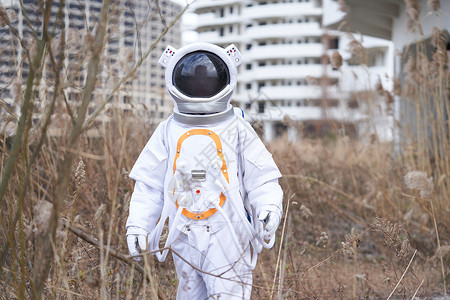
[355,225]
[351,228]
[363,220]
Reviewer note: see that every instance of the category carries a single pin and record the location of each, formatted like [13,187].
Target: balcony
[285,51]
[281,10]
[213,37]
[284,30]
[197,5]
[318,113]
[275,113]
[210,19]
[299,92]
[303,113]
[293,92]
[283,72]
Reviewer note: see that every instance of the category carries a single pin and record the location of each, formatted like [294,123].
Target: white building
[132,29]
[284,79]
[411,26]
[148,88]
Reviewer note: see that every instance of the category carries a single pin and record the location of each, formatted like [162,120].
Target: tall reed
[46,162]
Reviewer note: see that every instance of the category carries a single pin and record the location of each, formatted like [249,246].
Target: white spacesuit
[206,170]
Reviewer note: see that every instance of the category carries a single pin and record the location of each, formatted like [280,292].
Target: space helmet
[201,77]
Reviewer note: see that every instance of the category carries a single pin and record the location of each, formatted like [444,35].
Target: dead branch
[114,253]
[45,255]
[108,98]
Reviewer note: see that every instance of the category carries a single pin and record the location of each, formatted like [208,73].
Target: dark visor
[200,74]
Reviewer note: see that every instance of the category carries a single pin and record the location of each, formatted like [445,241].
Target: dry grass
[351,230]
[352,224]
[355,223]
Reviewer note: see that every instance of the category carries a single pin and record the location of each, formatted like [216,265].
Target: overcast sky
[188,20]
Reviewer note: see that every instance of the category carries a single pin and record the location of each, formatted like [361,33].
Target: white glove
[136,238]
[270,216]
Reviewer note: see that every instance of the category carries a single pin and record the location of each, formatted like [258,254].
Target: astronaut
[206,171]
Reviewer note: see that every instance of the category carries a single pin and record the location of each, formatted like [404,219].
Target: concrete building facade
[420,34]
[133,27]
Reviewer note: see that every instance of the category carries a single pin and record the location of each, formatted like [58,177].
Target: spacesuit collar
[197,105]
[206,119]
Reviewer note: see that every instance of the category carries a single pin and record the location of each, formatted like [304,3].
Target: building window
[333,43]
[261,107]
[248,86]
[280,129]
[248,66]
[376,58]
[221,31]
[261,85]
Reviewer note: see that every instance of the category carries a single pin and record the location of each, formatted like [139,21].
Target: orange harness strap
[216,139]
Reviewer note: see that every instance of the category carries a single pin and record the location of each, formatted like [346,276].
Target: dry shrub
[64,169]
[357,195]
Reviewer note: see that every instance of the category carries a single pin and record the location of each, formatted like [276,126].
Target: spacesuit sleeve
[260,173]
[147,200]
